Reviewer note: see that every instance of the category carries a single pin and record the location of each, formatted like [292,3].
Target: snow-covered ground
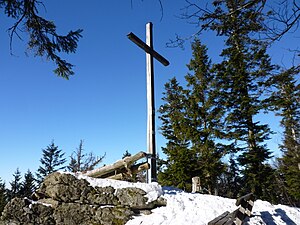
[198,209]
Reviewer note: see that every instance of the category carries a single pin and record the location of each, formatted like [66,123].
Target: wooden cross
[150,53]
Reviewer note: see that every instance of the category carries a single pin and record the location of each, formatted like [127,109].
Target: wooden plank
[244,198]
[148,49]
[217,219]
[225,221]
[238,216]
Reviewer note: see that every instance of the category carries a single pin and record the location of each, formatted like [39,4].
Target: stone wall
[64,199]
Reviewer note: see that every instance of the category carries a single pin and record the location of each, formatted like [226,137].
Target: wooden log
[139,168]
[119,176]
[122,173]
[123,163]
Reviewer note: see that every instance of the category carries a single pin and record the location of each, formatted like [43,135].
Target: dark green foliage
[222,103]
[3,196]
[52,160]
[204,114]
[82,162]
[191,123]
[240,78]
[28,185]
[43,38]
[285,101]
[176,170]
[230,182]
[15,186]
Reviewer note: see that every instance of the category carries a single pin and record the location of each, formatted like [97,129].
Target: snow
[36,202]
[186,208]
[153,190]
[198,209]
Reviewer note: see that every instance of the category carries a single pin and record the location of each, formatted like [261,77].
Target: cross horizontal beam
[147,49]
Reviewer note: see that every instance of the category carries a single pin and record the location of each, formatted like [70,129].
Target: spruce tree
[230,184]
[205,118]
[52,160]
[3,196]
[28,185]
[179,166]
[285,100]
[241,77]
[15,186]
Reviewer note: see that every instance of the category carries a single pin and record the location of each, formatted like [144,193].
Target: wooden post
[196,185]
[150,53]
[151,145]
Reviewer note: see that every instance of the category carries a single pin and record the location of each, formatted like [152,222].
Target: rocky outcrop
[64,199]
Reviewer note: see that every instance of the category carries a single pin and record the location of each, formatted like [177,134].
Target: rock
[74,213]
[133,197]
[23,211]
[63,187]
[64,199]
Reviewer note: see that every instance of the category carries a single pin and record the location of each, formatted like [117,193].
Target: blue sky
[105,102]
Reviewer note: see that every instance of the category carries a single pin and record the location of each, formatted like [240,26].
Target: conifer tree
[28,185]
[3,196]
[204,115]
[241,77]
[286,101]
[52,160]
[15,186]
[191,123]
[230,184]
[178,168]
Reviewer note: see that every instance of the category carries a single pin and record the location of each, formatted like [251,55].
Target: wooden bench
[237,217]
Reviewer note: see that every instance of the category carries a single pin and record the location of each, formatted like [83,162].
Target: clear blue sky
[105,102]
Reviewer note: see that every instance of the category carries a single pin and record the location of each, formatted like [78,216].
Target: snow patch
[37,202]
[186,208]
[153,190]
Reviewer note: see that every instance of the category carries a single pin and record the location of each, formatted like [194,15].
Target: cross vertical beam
[151,143]
[150,53]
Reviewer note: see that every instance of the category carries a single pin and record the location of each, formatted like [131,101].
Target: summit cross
[150,54]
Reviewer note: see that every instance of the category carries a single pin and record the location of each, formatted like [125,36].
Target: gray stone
[64,199]
[22,211]
[132,197]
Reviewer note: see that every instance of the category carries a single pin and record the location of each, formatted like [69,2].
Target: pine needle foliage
[43,37]
[3,195]
[241,77]
[285,101]
[191,122]
[28,185]
[15,185]
[52,160]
